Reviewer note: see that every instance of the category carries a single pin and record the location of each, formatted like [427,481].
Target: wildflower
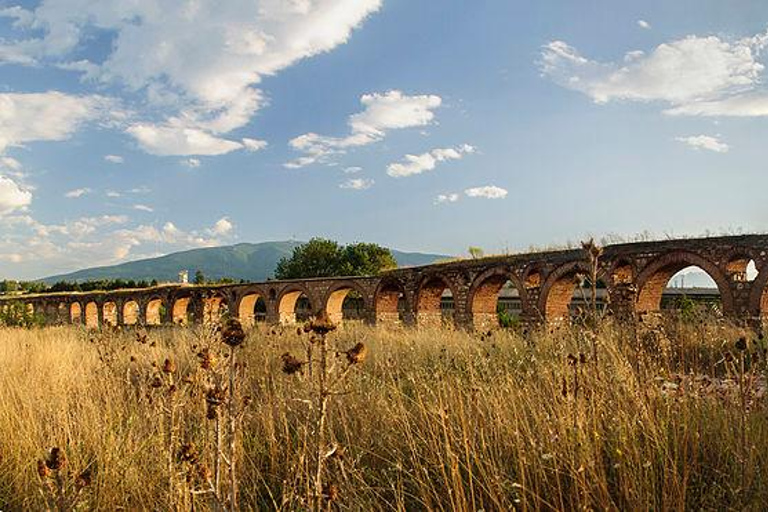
[291,365]
[357,353]
[56,459]
[232,334]
[169,366]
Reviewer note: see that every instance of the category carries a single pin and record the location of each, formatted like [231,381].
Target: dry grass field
[674,418]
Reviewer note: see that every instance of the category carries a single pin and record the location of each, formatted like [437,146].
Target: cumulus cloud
[223,226]
[254,144]
[417,164]
[357,184]
[12,196]
[78,192]
[202,60]
[644,24]
[48,116]
[446,198]
[382,112]
[114,159]
[487,192]
[694,75]
[705,142]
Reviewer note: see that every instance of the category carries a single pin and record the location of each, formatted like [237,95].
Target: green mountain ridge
[247,261]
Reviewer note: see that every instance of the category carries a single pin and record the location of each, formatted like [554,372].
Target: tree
[475,252]
[199,277]
[321,257]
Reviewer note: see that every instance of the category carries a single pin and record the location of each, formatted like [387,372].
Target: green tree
[199,277]
[321,257]
[475,252]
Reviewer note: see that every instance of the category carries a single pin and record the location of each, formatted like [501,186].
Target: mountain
[251,262]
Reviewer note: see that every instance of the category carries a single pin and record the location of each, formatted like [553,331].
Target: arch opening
[131,313]
[109,313]
[180,311]
[680,287]
[570,297]
[435,304]
[345,304]
[155,312]
[253,309]
[75,313]
[496,302]
[741,269]
[215,308]
[390,304]
[92,315]
[294,306]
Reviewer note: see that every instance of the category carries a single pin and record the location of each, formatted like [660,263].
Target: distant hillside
[251,262]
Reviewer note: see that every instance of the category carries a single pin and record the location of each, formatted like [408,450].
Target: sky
[130,129]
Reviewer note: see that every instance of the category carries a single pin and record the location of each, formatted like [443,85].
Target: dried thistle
[57,459]
[331,492]
[232,333]
[291,365]
[42,469]
[321,325]
[357,354]
[169,366]
[207,359]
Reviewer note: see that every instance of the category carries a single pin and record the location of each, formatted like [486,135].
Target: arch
[109,313]
[559,289]
[180,311]
[131,312]
[215,307]
[155,311]
[92,315]
[653,279]
[252,309]
[431,309]
[622,272]
[484,300]
[740,267]
[389,302]
[336,297]
[75,313]
[288,305]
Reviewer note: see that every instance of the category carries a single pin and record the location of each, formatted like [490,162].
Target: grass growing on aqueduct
[442,420]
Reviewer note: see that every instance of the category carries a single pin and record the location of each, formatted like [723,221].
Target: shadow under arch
[654,277]
[333,303]
[287,302]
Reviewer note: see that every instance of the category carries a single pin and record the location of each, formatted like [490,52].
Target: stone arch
[622,272]
[92,315]
[429,300]
[75,313]
[484,296]
[287,303]
[215,307]
[739,266]
[532,277]
[248,306]
[180,311]
[558,290]
[655,276]
[131,312]
[334,300]
[154,311]
[109,313]
[389,301]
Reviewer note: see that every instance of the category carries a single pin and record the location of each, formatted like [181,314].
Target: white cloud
[143,208]
[10,163]
[222,226]
[192,163]
[199,60]
[49,116]
[12,196]
[644,24]
[705,142]
[487,192]
[352,170]
[254,144]
[416,164]
[752,104]
[113,193]
[682,73]
[382,112]
[447,198]
[78,192]
[114,159]
[357,184]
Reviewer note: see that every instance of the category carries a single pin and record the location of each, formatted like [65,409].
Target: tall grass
[668,419]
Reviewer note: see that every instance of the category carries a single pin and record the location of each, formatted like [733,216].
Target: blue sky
[131,129]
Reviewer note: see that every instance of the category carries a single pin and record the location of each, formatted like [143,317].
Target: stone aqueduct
[635,275]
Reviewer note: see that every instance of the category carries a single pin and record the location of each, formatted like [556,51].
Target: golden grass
[434,420]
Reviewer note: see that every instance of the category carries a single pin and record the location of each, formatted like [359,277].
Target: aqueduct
[634,276]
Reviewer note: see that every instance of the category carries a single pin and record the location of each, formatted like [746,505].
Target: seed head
[572,360]
[169,366]
[42,469]
[291,365]
[84,479]
[321,325]
[741,344]
[157,382]
[357,354]
[232,334]
[207,359]
[331,492]
[188,453]
[215,396]
[57,459]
